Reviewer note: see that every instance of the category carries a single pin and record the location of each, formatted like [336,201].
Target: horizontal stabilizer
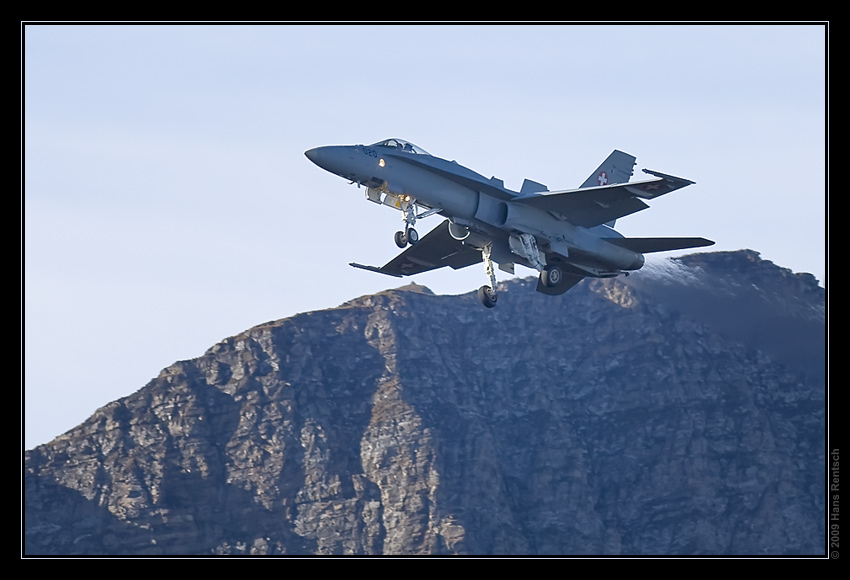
[649,245]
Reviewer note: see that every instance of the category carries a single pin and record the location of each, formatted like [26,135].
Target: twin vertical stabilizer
[617,168]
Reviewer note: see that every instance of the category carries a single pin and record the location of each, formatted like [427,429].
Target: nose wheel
[407,237]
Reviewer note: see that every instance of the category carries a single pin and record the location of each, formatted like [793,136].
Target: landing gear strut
[487,294]
[409,235]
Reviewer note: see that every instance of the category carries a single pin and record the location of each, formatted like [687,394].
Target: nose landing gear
[409,235]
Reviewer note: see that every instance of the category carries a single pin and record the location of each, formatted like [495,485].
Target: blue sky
[168,203]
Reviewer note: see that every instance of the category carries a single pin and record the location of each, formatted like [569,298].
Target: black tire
[412,236]
[487,296]
[551,276]
[400,239]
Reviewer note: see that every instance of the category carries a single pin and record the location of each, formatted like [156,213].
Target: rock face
[677,411]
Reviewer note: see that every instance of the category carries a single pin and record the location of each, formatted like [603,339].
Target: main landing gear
[553,280]
[487,294]
[551,276]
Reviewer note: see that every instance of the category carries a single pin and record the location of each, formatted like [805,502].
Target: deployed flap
[649,245]
[591,206]
[436,250]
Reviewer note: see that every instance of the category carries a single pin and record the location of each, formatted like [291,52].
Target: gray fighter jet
[565,235]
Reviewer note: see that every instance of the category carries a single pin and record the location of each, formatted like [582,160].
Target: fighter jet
[564,235]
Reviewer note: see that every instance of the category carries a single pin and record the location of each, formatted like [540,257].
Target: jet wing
[591,206]
[436,250]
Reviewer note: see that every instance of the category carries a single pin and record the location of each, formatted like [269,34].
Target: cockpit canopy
[402,145]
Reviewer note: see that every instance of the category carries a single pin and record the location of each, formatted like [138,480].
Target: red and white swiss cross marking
[602,178]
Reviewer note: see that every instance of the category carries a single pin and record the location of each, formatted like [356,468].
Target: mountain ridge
[622,418]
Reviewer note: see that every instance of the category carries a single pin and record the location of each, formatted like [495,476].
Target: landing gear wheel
[412,236]
[551,276]
[400,239]
[487,296]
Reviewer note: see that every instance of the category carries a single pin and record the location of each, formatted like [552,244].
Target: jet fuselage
[481,206]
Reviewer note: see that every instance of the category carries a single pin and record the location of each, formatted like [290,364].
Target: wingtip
[372,269]
[670,177]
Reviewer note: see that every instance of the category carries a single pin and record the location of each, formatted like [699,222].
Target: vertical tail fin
[617,168]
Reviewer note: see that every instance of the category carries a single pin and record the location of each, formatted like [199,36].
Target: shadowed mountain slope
[677,411]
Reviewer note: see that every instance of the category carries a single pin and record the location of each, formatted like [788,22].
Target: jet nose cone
[313,155]
[333,158]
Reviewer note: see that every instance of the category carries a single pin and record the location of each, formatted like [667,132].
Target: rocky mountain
[680,410]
